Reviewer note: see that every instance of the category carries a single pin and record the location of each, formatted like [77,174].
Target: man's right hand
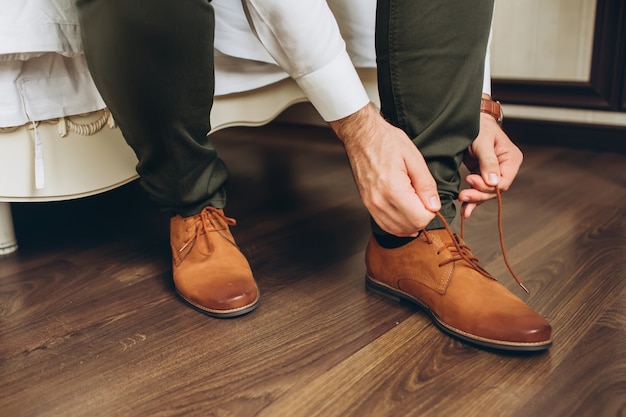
[390,173]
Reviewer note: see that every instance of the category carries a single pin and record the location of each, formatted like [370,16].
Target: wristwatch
[493,108]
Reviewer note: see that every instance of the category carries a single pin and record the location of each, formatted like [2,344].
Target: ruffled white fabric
[43,74]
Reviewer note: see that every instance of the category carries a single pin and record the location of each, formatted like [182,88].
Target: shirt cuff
[335,90]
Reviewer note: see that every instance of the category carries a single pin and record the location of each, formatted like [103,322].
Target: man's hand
[493,161]
[390,173]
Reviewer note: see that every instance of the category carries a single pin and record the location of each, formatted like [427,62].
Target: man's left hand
[493,161]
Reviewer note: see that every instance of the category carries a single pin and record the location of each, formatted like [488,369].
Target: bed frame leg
[8,243]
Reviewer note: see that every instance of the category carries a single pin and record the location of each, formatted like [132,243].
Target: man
[153,64]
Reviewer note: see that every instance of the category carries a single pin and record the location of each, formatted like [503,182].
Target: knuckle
[375,202]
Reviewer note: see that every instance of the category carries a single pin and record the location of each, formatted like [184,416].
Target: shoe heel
[380,290]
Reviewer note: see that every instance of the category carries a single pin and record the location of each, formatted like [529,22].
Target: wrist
[492,108]
[355,124]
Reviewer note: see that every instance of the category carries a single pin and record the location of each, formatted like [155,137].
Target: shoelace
[463,252]
[210,219]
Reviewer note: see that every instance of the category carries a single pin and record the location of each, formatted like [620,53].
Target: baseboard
[604,138]
[601,138]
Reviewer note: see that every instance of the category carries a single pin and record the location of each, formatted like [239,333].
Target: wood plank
[591,381]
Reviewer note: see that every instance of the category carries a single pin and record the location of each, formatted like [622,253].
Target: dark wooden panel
[572,135]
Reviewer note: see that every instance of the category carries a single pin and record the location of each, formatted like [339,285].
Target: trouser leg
[152,62]
[430,57]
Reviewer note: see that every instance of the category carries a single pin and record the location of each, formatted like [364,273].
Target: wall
[547,40]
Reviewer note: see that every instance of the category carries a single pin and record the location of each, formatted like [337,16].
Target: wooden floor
[90,326]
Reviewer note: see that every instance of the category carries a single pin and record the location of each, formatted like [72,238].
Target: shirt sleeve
[304,39]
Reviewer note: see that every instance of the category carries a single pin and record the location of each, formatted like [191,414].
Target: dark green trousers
[152,61]
[430,58]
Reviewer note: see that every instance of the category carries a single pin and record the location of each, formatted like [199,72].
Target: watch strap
[492,108]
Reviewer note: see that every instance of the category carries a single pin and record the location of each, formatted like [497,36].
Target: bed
[57,139]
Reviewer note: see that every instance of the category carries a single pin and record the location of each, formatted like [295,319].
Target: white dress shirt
[304,38]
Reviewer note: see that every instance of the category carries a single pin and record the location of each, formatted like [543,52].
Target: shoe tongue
[447,238]
[443,234]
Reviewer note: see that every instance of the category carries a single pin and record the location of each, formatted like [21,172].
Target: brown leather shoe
[210,272]
[438,272]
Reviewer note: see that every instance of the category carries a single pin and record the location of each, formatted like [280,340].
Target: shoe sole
[222,314]
[392,293]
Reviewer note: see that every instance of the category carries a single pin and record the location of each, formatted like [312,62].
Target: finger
[471,195]
[477,182]
[397,208]
[509,169]
[392,221]
[488,162]
[408,211]
[468,209]
[423,182]
[391,225]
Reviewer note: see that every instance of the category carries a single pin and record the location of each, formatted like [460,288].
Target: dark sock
[391,241]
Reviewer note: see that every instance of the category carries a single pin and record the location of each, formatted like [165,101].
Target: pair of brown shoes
[436,271]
